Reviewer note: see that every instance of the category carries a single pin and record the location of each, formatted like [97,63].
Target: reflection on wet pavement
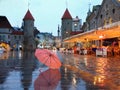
[47,80]
[70,81]
[101,72]
[16,71]
[20,70]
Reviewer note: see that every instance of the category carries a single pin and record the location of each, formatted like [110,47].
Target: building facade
[9,35]
[103,16]
[17,39]
[5,30]
[91,20]
[106,13]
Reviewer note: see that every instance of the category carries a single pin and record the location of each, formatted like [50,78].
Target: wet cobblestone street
[78,72]
[100,71]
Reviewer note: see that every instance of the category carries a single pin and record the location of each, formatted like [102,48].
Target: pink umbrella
[47,80]
[48,58]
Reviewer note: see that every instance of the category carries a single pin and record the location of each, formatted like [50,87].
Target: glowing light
[99,80]
[101,36]
[75,24]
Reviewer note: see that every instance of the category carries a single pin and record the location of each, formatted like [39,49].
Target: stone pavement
[78,72]
[103,72]
[20,71]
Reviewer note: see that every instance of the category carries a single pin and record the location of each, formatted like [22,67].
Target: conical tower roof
[28,16]
[66,15]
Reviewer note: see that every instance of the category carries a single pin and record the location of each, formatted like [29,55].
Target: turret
[28,27]
[66,27]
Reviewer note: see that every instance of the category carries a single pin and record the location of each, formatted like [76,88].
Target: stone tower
[66,27]
[28,28]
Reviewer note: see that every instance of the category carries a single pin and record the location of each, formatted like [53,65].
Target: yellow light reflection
[100,66]
[4,56]
[99,80]
[85,61]
[101,72]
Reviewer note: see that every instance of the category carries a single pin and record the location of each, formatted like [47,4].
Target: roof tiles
[28,16]
[66,15]
[4,23]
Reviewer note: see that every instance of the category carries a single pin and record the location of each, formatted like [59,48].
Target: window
[9,30]
[15,37]
[19,37]
[101,16]
[107,12]
[113,11]
[8,42]
[8,36]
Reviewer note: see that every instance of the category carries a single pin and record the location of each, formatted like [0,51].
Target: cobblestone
[78,72]
[98,70]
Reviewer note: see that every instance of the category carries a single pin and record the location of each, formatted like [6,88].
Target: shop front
[103,36]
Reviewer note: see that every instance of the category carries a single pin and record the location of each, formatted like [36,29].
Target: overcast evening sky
[47,13]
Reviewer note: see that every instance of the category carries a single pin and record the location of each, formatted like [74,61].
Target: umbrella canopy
[47,80]
[48,58]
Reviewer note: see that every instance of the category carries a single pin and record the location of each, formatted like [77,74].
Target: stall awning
[108,31]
